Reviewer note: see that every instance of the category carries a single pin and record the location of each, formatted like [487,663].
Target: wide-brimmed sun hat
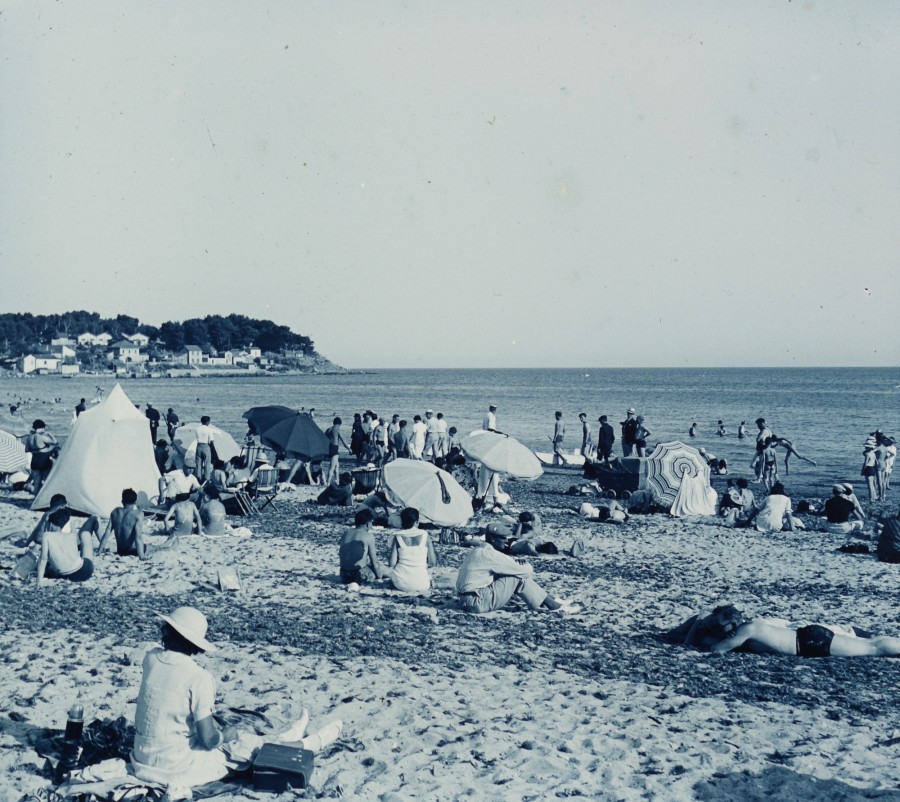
[629,411]
[190,623]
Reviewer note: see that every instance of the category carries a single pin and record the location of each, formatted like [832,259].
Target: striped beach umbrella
[12,453]
[663,470]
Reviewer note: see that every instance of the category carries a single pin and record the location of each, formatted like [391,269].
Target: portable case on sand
[278,766]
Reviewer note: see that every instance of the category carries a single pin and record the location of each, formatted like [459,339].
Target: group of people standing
[634,437]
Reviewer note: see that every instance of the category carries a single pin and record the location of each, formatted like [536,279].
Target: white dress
[410,574]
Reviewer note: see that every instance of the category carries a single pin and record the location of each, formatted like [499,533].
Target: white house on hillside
[94,339]
[34,362]
[191,355]
[140,340]
[126,351]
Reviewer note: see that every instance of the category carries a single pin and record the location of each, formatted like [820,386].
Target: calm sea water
[826,412]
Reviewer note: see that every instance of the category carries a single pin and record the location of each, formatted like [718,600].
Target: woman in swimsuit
[869,470]
[412,554]
[789,447]
[640,437]
[186,516]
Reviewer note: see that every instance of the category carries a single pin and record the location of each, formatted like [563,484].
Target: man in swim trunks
[358,552]
[127,523]
[813,640]
[587,441]
[559,433]
[762,438]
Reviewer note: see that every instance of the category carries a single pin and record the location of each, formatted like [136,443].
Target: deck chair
[264,487]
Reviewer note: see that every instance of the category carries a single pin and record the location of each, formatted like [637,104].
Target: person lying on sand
[67,555]
[358,553]
[487,580]
[604,510]
[525,537]
[177,741]
[724,630]
[127,523]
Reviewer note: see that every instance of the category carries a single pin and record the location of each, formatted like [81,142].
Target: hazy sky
[464,184]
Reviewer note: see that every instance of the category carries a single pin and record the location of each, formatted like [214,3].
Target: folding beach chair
[265,487]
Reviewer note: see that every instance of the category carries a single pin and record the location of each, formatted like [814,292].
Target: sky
[466,184]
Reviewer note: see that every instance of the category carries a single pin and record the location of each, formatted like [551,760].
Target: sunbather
[358,553]
[183,517]
[66,555]
[412,554]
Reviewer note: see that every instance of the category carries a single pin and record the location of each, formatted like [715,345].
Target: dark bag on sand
[278,767]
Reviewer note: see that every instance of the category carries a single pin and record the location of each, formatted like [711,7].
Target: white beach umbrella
[501,453]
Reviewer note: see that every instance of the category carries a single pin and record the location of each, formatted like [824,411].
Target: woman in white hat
[177,742]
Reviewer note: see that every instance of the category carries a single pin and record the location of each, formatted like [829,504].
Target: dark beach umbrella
[294,433]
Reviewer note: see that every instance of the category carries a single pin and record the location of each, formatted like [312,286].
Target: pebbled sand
[438,705]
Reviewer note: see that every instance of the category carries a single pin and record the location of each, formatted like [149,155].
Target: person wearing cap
[641,433]
[840,513]
[869,469]
[606,436]
[177,741]
[629,430]
[489,424]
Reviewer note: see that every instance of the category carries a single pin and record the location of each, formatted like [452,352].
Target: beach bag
[279,767]
[26,566]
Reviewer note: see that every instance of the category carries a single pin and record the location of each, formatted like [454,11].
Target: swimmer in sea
[721,431]
[692,432]
[742,431]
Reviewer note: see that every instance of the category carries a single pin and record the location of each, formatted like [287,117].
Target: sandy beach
[514,705]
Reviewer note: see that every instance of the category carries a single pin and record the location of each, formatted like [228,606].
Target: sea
[826,412]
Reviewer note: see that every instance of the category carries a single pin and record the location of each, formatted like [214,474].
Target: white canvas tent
[108,450]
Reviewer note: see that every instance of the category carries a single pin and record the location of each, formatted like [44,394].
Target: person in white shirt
[775,512]
[430,450]
[443,437]
[489,424]
[204,449]
[177,482]
[417,438]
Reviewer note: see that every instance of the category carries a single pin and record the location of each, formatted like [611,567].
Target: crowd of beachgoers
[201,498]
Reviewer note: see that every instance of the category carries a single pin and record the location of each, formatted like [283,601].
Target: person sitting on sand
[488,580]
[738,504]
[840,513]
[339,495]
[182,518]
[775,512]
[726,629]
[177,741]
[67,555]
[57,502]
[127,523]
[176,483]
[889,539]
[412,554]
[212,512]
[358,553]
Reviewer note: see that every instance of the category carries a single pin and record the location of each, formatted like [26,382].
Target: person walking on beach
[587,440]
[335,441]
[559,433]
[629,427]
[171,423]
[153,417]
[606,436]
